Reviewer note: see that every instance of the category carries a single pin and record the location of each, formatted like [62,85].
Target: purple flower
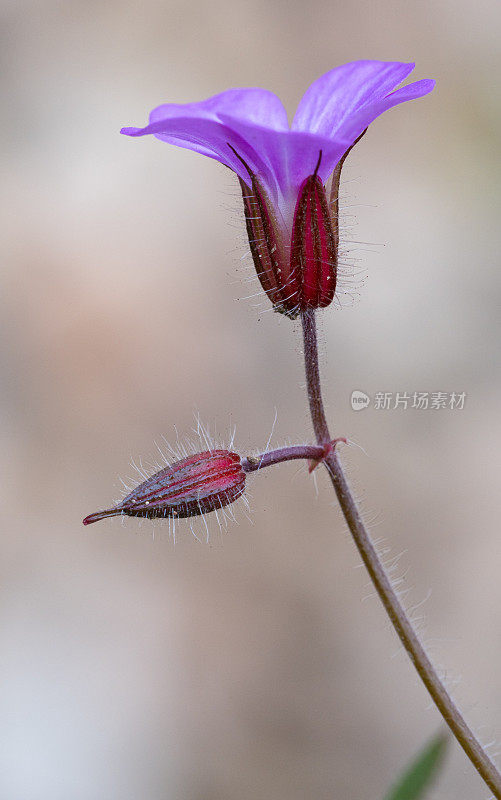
[247,130]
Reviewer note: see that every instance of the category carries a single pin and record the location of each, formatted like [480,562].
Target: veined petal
[331,99]
[280,158]
[331,115]
[359,121]
[209,137]
[257,106]
[254,105]
[289,155]
[199,127]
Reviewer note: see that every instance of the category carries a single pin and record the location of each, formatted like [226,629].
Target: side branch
[310,452]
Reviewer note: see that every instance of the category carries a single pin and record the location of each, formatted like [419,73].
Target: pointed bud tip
[111,512]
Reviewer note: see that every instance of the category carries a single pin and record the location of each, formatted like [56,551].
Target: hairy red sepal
[272,265]
[314,246]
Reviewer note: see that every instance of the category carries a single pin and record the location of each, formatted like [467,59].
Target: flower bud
[192,486]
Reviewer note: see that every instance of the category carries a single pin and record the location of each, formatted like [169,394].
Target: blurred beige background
[258,666]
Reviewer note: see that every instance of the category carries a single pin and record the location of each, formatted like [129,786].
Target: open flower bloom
[283,169]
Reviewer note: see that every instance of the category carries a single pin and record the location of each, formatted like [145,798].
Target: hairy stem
[396,612]
[310,452]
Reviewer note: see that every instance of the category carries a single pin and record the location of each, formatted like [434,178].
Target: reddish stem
[312,452]
[396,612]
[253,463]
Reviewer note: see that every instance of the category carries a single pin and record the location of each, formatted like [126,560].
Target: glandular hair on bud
[195,485]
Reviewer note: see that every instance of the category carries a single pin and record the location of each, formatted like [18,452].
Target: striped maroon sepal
[313,247]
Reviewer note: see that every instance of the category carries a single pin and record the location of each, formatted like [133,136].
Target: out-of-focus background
[259,665]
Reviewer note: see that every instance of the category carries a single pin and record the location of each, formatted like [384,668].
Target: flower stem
[310,452]
[396,612]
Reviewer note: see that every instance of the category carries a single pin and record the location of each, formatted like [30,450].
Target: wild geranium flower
[284,169]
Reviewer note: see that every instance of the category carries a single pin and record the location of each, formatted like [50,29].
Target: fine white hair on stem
[398,575]
[271,434]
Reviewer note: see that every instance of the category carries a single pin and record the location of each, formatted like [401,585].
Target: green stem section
[396,612]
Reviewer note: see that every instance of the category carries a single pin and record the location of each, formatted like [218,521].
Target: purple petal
[281,158]
[199,127]
[356,123]
[331,115]
[253,105]
[209,137]
[331,99]
[291,155]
